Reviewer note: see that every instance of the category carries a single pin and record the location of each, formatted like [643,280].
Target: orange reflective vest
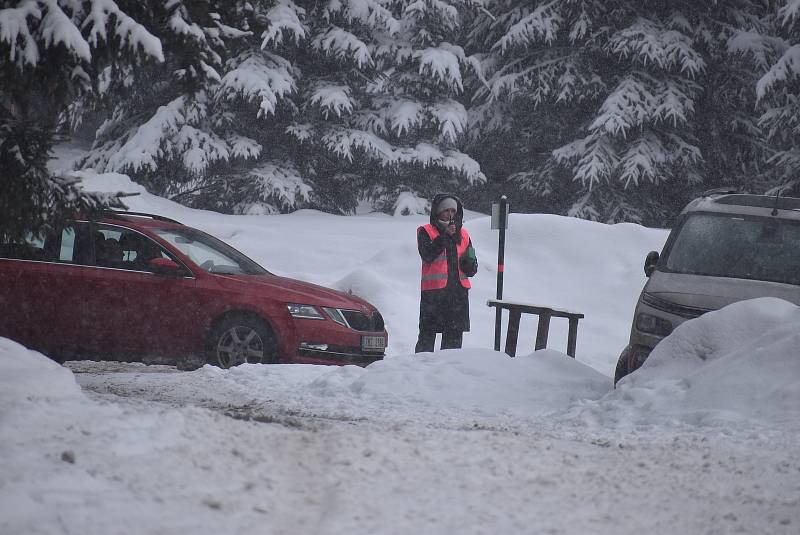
[434,274]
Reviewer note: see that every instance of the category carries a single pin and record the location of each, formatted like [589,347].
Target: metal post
[500,268]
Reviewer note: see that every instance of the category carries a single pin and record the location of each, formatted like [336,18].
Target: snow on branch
[583,208]
[57,28]
[785,69]
[173,131]
[648,158]
[396,116]
[682,153]
[556,77]
[180,26]
[332,99]
[628,106]
[371,13]
[787,159]
[243,147]
[674,101]
[542,24]
[461,163]
[790,12]
[259,77]
[409,203]
[300,131]
[441,63]
[446,13]
[491,117]
[651,44]
[14,31]
[581,27]
[284,17]
[643,159]
[761,47]
[343,45]
[144,147]
[393,51]
[279,181]
[593,159]
[403,115]
[198,149]
[452,118]
[640,99]
[344,142]
[105,13]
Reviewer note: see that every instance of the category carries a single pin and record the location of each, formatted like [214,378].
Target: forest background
[612,110]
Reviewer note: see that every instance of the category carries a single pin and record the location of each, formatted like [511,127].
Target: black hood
[459,217]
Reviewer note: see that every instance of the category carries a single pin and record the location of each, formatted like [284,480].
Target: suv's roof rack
[118,213]
[761,201]
[727,190]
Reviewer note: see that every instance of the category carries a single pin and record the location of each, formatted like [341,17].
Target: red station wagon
[142,287]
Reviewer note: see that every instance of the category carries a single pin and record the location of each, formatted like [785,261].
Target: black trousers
[427,339]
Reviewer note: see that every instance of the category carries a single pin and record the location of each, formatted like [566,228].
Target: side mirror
[650,263]
[164,266]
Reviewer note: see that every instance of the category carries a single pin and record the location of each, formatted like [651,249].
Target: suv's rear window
[725,245]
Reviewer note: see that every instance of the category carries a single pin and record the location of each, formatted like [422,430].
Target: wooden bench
[545,313]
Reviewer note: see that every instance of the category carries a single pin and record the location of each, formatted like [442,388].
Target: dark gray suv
[724,248]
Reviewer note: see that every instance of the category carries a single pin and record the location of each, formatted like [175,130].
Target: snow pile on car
[741,362]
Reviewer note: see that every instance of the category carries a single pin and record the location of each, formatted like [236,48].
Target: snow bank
[739,363]
[456,386]
[29,379]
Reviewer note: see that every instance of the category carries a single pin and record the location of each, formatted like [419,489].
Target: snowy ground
[703,439]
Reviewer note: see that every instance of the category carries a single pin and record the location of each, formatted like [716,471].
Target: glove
[469,262]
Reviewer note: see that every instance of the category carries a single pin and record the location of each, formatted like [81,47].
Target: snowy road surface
[324,473]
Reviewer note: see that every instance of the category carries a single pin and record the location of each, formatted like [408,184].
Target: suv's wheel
[239,340]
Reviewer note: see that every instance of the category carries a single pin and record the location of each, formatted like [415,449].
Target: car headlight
[336,315]
[647,323]
[306,312]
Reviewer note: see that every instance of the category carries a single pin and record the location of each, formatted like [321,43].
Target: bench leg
[572,338]
[542,331]
[513,332]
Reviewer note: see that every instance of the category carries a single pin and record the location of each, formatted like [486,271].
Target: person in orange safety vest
[448,260]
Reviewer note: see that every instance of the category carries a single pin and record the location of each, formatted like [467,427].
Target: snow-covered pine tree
[195,128]
[624,108]
[272,105]
[381,118]
[778,91]
[47,50]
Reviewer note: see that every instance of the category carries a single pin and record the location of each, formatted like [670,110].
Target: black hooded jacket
[446,308]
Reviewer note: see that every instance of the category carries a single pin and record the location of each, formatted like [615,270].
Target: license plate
[373,343]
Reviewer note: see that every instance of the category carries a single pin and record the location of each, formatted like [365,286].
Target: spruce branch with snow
[50,54]
[625,96]
[778,93]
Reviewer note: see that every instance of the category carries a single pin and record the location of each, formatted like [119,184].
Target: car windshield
[725,245]
[209,253]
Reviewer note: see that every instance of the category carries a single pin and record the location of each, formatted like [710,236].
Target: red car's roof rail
[118,213]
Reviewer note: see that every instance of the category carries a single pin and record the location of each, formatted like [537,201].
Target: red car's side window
[30,248]
[74,246]
[123,248]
